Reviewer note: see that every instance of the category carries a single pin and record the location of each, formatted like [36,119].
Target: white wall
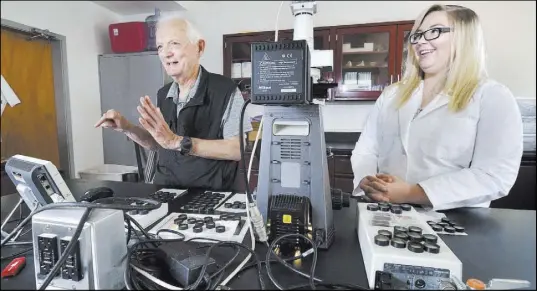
[85,26]
[509,33]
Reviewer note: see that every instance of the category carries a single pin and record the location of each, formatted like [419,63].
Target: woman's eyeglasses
[429,34]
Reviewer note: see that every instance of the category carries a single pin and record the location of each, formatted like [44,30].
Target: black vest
[200,118]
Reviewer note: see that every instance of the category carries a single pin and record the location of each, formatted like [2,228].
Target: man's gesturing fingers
[157,114]
[147,114]
[108,119]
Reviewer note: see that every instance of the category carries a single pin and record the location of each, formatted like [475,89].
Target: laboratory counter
[500,244]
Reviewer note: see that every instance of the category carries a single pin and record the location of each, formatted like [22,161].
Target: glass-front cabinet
[367,57]
[403,32]
[365,64]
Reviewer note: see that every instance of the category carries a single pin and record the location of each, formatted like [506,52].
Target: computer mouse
[97,193]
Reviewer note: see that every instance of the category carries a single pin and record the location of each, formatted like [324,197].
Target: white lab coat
[468,158]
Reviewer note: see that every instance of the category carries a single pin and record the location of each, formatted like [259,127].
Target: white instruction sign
[8,95]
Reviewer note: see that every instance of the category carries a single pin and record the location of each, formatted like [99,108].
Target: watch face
[186,145]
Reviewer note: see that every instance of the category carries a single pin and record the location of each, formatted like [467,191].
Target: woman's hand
[374,188]
[399,191]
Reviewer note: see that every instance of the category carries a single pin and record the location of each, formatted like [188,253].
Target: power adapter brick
[185,261]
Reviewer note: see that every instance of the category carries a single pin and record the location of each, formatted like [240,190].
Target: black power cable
[10,257]
[270,252]
[224,243]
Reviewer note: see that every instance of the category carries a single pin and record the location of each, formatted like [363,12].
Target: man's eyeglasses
[429,34]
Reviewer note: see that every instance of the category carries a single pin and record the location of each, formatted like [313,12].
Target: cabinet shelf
[240,60]
[365,53]
[364,67]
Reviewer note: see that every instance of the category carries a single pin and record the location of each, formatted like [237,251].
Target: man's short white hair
[193,34]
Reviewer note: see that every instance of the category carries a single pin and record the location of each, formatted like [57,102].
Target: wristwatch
[186,145]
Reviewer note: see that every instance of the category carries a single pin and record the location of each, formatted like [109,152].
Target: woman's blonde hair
[466,64]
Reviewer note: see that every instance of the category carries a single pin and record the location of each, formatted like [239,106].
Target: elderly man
[195,125]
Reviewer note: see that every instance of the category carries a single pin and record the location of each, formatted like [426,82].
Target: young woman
[446,135]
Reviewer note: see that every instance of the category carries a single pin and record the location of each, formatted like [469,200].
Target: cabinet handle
[330,153]
[398,77]
[391,79]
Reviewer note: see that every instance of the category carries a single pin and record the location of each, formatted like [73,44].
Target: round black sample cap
[200,224]
[182,216]
[228,205]
[382,240]
[385,233]
[396,210]
[220,229]
[431,223]
[401,235]
[178,221]
[243,206]
[235,206]
[372,207]
[191,220]
[415,237]
[458,228]
[445,219]
[415,247]
[200,221]
[430,238]
[442,224]
[414,229]
[223,217]
[210,225]
[398,229]
[197,229]
[437,227]
[398,243]
[406,207]
[449,229]
[183,226]
[431,248]
[383,203]
[384,208]
[207,219]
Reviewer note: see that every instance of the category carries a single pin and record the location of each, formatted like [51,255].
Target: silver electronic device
[98,259]
[285,79]
[37,181]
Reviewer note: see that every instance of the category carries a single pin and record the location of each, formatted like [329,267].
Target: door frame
[61,94]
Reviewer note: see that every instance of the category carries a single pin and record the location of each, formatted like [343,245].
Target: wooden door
[30,127]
